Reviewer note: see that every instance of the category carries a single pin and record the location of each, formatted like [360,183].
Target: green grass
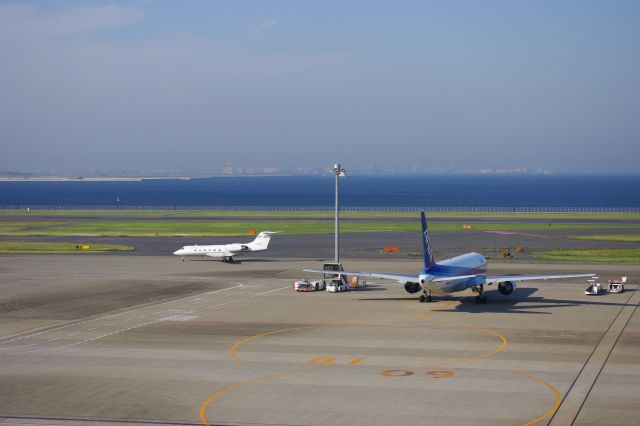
[591,255]
[285,214]
[632,238]
[159,227]
[21,247]
[11,228]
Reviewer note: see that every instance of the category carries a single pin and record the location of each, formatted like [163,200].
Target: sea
[306,192]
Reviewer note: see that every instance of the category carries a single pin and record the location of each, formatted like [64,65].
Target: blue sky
[436,85]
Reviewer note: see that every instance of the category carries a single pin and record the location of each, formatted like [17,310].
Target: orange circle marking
[396,373]
[440,374]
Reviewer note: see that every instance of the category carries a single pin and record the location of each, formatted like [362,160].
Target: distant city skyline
[384,87]
[231,170]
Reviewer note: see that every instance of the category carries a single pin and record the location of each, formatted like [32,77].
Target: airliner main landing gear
[426,297]
[481,297]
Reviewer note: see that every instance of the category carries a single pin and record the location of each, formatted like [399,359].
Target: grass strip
[591,255]
[150,228]
[632,238]
[23,247]
[285,214]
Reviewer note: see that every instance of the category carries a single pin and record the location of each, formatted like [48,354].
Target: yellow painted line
[219,394]
[396,373]
[322,360]
[355,361]
[233,350]
[431,313]
[555,392]
[502,345]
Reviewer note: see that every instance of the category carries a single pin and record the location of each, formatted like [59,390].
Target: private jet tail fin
[261,242]
[426,244]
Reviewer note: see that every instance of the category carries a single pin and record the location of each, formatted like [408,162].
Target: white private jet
[452,275]
[227,251]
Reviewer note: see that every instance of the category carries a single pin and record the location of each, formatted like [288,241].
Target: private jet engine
[411,287]
[234,248]
[506,288]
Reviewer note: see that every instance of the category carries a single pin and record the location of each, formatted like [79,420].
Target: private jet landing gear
[481,297]
[426,297]
[227,259]
[182,259]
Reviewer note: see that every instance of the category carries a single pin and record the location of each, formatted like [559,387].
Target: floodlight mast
[338,171]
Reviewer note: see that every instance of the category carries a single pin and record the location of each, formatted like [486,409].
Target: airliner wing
[502,278]
[490,279]
[382,275]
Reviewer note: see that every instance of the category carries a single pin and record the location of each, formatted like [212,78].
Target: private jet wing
[227,253]
[382,275]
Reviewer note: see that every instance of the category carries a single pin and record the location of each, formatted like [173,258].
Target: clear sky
[189,85]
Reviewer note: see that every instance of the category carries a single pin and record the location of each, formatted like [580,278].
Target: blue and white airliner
[452,275]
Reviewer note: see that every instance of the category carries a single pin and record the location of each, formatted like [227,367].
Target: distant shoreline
[120,179]
[87,179]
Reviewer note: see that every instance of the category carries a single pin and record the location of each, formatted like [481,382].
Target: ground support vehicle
[304,285]
[334,283]
[593,287]
[616,285]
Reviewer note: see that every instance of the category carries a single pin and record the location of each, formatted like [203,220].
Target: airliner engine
[506,288]
[411,287]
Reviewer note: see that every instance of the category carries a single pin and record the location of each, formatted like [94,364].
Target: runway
[107,339]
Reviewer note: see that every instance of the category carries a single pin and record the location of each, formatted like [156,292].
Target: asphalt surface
[142,338]
[151,340]
[368,245]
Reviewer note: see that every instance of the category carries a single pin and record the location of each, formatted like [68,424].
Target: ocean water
[610,191]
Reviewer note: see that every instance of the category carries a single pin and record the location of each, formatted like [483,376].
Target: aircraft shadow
[369,288]
[498,303]
[235,262]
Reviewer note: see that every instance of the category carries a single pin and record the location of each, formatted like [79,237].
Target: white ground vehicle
[334,283]
[593,287]
[304,285]
[617,285]
[337,286]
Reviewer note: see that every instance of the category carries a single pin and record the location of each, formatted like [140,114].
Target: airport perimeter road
[139,340]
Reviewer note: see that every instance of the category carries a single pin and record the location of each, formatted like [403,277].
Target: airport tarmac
[368,245]
[104,339]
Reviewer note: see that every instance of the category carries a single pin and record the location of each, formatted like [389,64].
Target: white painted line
[147,323]
[101,318]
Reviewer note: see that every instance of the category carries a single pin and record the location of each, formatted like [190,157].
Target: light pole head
[338,170]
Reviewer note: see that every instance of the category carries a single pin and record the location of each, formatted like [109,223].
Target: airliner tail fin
[426,244]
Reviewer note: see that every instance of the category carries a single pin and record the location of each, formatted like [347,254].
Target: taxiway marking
[557,395]
[571,406]
[164,318]
[233,350]
[98,319]
[205,404]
